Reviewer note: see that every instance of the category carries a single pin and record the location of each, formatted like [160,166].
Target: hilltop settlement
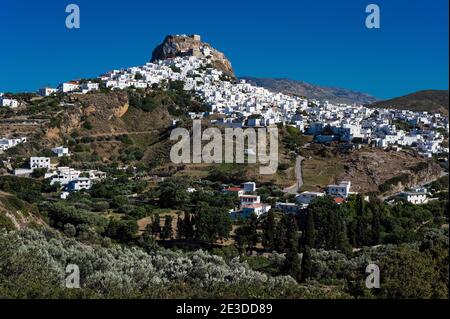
[89,159]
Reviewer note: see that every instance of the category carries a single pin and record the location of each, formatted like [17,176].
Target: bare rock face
[182,45]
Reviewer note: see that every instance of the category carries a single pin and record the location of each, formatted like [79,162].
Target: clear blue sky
[320,41]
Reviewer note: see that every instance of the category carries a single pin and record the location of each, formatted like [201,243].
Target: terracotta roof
[233,189]
[339,200]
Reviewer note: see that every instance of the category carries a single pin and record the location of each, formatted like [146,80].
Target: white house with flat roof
[306,198]
[63,175]
[249,199]
[247,210]
[7,102]
[7,143]
[79,184]
[67,87]
[415,197]
[89,86]
[249,187]
[39,162]
[46,91]
[61,151]
[287,208]
[341,190]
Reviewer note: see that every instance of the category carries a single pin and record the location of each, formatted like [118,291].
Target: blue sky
[319,41]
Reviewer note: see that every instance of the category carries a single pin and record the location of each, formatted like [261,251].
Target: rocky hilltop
[192,45]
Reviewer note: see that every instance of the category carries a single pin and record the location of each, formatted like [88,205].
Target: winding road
[298,174]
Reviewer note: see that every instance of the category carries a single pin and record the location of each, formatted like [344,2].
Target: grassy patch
[318,173]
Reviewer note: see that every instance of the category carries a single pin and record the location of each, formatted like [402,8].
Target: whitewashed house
[89,86]
[61,151]
[79,184]
[287,208]
[47,91]
[247,210]
[306,198]
[249,199]
[249,187]
[63,175]
[7,102]
[39,162]
[68,87]
[415,197]
[7,143]
[341,190]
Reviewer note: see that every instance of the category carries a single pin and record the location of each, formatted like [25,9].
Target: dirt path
[298,174]
[120,133]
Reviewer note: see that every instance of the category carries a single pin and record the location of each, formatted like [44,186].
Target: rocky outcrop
[183,45]
[367,169]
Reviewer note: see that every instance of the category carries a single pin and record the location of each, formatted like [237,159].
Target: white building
[249,187]
[68,87]
[61,151]
[341,190]
[79,184]
[247,210]
[96,175]
[415,197]
[7,143]
[306,198]
[89,86]
[7,102]
[287,208]
[39,162]
[46,91]
[234,190]
[249,199]
[63,175]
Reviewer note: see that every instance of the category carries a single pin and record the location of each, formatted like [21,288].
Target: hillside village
[290,237]
[240,104]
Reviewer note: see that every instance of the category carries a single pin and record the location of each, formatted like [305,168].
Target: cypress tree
[361,222]
[292,264]
[280,237]
[156,226]
[376,227]
[180,228]
[269,228]
[306,266]
[332,230]
[253,237]
[309,231]
[167,231]
[188,226]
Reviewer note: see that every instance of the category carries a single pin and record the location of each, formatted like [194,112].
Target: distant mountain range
[427,100]
[312,91]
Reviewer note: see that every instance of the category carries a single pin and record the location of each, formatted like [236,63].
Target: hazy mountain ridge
[311,91]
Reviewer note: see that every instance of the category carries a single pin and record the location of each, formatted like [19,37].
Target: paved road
[298,174]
